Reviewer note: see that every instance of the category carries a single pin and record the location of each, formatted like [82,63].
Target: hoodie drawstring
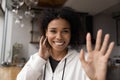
[62,73]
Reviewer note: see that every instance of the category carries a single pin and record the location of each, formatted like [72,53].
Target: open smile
[59,43]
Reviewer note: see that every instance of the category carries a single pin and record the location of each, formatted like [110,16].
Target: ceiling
[94,7]
[113,10]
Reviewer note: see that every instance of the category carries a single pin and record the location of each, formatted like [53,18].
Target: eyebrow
[55,28]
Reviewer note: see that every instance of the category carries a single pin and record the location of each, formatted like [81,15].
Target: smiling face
[58,34]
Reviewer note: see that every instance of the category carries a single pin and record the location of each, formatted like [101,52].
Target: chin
[59,49]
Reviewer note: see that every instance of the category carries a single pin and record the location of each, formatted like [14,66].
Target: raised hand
[95,65]
[44,51]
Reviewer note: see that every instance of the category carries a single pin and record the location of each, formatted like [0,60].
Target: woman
[58,59]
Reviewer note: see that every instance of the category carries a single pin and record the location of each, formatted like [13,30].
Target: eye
[53,31]
[66,31]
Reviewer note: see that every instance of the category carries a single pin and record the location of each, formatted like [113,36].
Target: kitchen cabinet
[35,32]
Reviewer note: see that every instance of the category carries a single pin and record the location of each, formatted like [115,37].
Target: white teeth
[59,44]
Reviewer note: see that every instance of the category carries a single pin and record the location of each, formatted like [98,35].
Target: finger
[44,41]
[110,48]
[105,43]
[88,41]
[98,40]
[41,40]
[50,51]
[82,57]
[40,44]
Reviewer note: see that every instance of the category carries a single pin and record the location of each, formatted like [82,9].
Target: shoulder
[75,54]
[72,56]
[36,57]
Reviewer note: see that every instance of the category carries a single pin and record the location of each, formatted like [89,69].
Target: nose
[59,35]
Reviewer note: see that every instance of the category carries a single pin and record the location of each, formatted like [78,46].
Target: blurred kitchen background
[19,27]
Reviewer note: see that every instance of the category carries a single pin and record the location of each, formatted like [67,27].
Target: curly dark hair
[69,15]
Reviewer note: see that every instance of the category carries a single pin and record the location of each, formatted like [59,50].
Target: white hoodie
[71,70]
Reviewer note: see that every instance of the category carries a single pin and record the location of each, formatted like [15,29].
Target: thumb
[82,57]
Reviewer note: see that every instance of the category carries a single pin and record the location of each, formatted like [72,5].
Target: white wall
[108,24]
[15,33]
[22,35]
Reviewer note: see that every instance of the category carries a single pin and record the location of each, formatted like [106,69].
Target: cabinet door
[35,32]
[118,31]
[113,73]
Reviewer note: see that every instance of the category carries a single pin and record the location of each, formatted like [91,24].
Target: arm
[33,69]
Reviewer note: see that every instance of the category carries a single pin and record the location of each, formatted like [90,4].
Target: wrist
[43,57]
[99,78]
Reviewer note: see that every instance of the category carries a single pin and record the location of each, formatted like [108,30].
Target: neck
[58,55]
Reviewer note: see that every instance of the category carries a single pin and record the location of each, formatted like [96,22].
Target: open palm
[95,65]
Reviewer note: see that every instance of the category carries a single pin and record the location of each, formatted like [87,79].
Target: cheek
[50,37]
[67,38]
